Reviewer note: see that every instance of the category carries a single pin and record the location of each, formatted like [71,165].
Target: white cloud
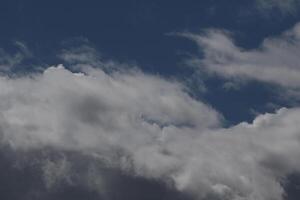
[151,126]
[276,61]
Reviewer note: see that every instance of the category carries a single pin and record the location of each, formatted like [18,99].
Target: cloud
[283,6]
[79,52]
[120,102]
[148,127]
[10,60]
[97,113]
[248,160]
[275,61]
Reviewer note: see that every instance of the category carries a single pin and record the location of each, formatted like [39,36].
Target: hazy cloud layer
[150,127]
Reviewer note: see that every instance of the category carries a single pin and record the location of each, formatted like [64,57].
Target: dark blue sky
[135,30]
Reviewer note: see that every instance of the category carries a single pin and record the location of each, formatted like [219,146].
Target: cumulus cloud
[149,127]
[275,61]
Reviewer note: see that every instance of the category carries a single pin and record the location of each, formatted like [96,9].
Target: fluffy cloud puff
[150,127]
[275,61]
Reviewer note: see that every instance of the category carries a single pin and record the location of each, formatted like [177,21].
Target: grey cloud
[32,175]
[147,127]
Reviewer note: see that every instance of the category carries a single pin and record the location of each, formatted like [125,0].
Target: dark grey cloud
[37,174]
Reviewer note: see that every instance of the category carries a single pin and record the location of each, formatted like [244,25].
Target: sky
[154,100]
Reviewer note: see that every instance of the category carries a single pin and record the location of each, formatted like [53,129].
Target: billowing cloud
[149,127]
[275,61]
